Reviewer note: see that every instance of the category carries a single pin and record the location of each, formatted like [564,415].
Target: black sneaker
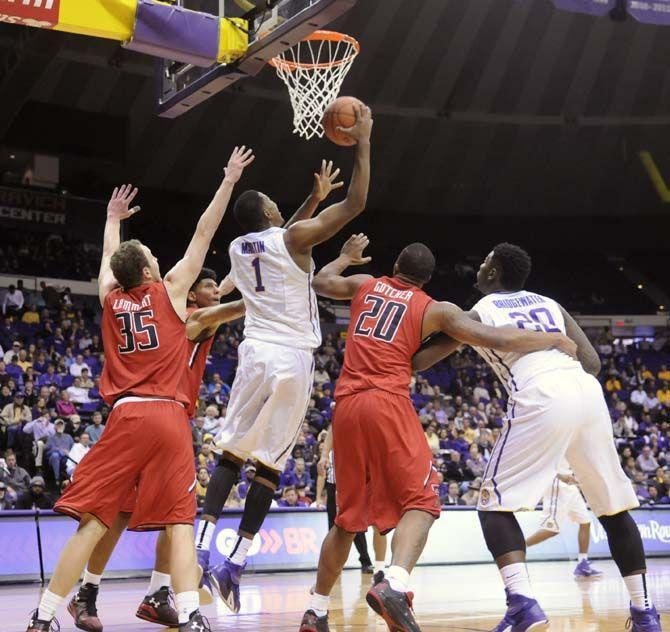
[158,608]
[83,609]
[368,569]
[196,623]
[312,623]
[37,625]
[393,606]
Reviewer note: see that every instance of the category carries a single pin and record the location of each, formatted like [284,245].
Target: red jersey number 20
[382,320]
[138,335]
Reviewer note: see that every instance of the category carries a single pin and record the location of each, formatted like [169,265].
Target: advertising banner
[650,11]
[43,211]
[37,13]
[291,539]
[592,7]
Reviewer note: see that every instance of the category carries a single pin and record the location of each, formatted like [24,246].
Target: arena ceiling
[486,106]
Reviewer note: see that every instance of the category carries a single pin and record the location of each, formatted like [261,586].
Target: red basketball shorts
[383,465]
[145,449]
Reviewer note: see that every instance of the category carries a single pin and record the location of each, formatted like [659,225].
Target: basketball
[340,113]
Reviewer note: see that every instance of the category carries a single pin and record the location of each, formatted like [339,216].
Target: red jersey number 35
[138,334]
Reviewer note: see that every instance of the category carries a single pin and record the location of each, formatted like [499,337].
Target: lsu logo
[484,497]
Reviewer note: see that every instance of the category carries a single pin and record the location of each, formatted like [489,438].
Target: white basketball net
[313,72]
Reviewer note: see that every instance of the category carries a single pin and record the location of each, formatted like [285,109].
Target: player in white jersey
[556,409]
[563,500]
[272,267]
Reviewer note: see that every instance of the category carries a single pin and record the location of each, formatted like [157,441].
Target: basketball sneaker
[584,570]
[83,608]
[226,579]
[196,623]
[391,605]
[644,620]
[158,609]
[205,592]
[312,623]
[36,625]
[523,613]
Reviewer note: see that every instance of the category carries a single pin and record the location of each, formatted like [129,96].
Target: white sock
[319,603]
[203,536]
[240,550]
[581,557]
[380,565]
[637,588]
[48,605]
[90,578]
[187,603]
[398,578]
[516,579]
[158,580]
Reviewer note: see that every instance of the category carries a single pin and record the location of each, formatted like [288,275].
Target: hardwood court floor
[450,598]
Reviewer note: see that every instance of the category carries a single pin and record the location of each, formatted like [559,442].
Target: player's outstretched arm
[324,183]
[329,281]
[438,347]
[586,354]
[301,236]
[117,210]
[227,286]
[179,280]
[452,320]
[202,323]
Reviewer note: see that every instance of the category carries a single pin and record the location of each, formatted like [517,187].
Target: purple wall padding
[650,11]
[175,33]
[592,7]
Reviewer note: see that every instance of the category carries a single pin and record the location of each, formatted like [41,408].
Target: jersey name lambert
[386,290]
[521,301]
[252,247]
[122,304]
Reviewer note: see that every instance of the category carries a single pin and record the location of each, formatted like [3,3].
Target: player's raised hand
[361,130]
[119,203]
[326,181]
[353,250]
[240,159]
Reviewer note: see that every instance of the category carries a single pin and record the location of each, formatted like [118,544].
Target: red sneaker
[83,609]
[393,606]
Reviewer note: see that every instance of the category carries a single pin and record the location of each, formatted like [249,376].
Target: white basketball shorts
[558,414]
[562,501]
[268,401]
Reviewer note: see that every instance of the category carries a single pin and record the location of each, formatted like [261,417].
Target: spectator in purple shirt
[58,448]
[41,363]
[646,461]
[14,370]
[301,475]
[64,407]
[50,378]
[287,478]
[640,486]
[289,497]
[40,429]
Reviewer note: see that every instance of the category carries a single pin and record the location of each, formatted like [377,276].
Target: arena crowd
[51,412]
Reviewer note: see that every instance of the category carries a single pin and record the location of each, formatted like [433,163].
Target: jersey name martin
[252,247]
[129,306]
[391,292]
[521,301]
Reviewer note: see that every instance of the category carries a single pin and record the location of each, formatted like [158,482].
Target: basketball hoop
[313,72]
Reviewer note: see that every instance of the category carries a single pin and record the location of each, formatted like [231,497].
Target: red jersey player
[377,435]
[147,440]
[205,316]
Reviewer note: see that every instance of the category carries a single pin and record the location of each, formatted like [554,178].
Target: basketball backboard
[273,26]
